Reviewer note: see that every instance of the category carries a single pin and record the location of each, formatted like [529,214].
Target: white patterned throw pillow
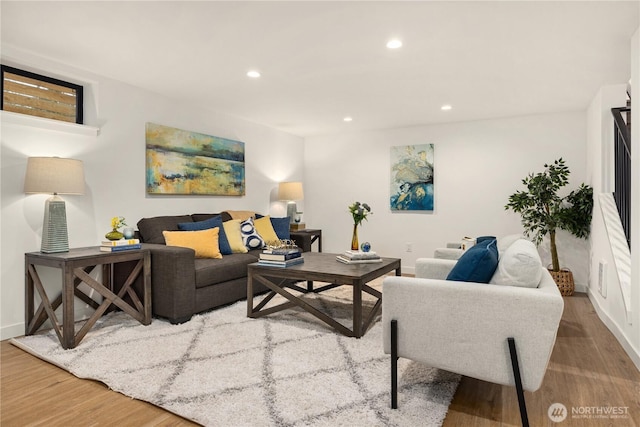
[250,236]
[519,265]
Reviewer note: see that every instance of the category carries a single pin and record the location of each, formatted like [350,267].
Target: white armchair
[496,333]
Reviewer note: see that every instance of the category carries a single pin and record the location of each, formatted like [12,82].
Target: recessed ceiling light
[253,74]
[446,107]
[394,44]
[348,119]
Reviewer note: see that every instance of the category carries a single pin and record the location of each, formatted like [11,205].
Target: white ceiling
[322,61]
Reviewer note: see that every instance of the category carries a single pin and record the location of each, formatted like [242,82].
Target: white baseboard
[11,331]
[615,330]
[581,288]
[408,270]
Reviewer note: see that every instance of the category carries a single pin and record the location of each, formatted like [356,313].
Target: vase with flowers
[116,223]
[359,212]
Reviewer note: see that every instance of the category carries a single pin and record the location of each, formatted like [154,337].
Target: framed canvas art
[184,162]
[412,178]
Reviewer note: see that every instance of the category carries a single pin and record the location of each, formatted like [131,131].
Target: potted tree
[544,211]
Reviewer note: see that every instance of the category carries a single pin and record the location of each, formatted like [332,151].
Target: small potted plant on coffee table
[544,211]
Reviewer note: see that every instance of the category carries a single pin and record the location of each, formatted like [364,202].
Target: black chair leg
[518,381]
[394,364]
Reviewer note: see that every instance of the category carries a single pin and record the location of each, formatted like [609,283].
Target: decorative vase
[128,232]
[114,235]
[354,239]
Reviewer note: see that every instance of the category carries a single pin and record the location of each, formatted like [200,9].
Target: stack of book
[120,245]
[358,257]
[281,257]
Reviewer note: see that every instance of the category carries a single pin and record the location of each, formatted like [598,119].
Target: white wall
[611,308]
[114,165]
[477,166]
[635,194]
[600,134]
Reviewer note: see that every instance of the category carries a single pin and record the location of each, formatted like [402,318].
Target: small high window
[29,93]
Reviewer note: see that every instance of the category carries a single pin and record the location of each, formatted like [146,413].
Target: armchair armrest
[433,268]
[463,327]
[448,253]
[173,281]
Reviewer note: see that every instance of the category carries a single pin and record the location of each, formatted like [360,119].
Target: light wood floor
[588,368]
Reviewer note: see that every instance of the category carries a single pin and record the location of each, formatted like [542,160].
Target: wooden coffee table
[321,267]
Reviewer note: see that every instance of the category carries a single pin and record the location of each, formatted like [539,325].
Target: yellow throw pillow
[232,230]
[204,242]
[265,229]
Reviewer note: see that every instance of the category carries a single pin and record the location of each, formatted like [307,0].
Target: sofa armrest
[173,281]
[463,327]
[433,268]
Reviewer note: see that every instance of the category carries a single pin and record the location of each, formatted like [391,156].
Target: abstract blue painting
[185,162]
[412,178]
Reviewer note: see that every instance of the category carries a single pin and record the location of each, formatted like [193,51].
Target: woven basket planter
[564,280]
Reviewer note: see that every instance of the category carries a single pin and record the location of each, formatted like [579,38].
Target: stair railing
[622,164]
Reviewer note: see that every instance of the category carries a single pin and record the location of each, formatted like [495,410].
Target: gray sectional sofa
[183,285]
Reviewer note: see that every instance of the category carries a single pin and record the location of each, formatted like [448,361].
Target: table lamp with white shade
[290,191]
[54,175]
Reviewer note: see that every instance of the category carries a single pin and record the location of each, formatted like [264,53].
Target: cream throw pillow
[241,215]
[234,236]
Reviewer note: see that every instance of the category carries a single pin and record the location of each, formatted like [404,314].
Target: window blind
[36,95]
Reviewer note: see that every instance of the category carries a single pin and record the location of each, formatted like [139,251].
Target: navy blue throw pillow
[483,238]
[281,227]
[216,221]
[477,264]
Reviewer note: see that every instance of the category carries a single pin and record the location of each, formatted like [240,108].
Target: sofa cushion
[250,236]
[519,265]
[232,230]
[215,221]
[281,227]
[213,271]
[204,242]
[265,229]
[477,264]
[151,228]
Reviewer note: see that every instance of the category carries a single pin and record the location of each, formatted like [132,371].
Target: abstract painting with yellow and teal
[184,162]
[412,178]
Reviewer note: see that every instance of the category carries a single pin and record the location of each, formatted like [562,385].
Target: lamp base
[54,227]
[292,208]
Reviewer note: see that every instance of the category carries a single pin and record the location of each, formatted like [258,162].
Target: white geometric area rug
[286,369]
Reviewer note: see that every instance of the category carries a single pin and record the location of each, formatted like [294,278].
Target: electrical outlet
[602,278]
[409,246]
